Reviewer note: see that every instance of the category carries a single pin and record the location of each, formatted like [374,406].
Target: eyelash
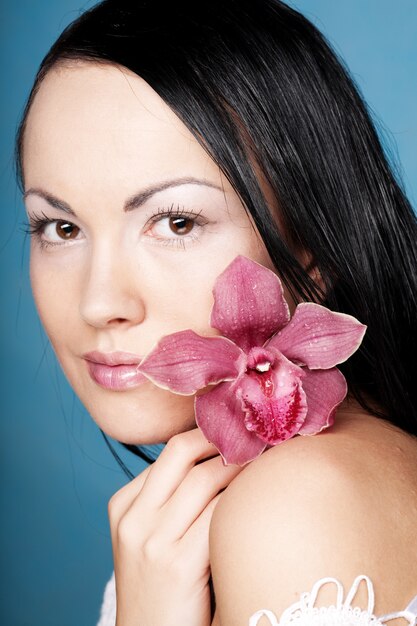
[36,225]
[180,241]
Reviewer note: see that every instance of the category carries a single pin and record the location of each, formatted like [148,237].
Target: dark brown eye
[181,225]
[66,230]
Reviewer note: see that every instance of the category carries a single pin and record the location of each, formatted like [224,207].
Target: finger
[178,457]
[124,497]
[121,501]
[202,483]
[195,543]
[161,478]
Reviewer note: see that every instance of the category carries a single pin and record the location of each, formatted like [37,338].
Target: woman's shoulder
[338,504]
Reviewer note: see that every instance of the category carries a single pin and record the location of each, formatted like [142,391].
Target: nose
[111,294]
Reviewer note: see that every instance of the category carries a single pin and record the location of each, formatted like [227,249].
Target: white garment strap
[410,613]
[412,607]
[410,617]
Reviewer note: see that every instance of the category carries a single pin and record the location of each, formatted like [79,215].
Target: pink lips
[114,370]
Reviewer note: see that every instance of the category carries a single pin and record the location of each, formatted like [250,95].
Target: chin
[151,416]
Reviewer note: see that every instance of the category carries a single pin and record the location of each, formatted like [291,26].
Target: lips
[116,371]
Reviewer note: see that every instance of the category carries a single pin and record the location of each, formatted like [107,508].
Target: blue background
[56,470]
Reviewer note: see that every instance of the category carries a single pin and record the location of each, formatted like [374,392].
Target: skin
[340,504]
[97,135]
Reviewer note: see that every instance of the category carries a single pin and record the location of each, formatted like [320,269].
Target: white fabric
[342,613]
[302,613]
[412,606]
[108,607]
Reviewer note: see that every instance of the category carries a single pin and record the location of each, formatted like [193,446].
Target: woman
[159,143]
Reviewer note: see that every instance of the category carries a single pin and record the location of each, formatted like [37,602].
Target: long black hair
[262,91]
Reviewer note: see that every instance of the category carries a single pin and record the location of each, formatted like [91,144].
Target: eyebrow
[131,203]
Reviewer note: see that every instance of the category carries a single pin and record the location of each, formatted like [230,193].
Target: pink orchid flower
[273,377]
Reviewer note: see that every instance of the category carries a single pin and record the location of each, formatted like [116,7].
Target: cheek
[55,292]
[176,306]
[184,294]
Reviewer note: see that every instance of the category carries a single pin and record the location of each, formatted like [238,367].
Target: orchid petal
[325,390]
[318,337]
[221,419]
[274,401]
[184,362]
[249,304]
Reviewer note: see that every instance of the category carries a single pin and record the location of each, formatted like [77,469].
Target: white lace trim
[302,613]
[343,613]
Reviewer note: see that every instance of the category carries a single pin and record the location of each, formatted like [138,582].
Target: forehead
[103,125]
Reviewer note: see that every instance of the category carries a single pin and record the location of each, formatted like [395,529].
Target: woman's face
[134,223]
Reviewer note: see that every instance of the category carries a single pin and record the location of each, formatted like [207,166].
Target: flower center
[260,359]
[260,365]
[263,367]
[273,399]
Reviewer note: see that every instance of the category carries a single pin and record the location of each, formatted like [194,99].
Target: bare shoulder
[338,504]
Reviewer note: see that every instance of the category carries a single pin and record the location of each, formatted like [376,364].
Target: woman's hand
[159,527]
